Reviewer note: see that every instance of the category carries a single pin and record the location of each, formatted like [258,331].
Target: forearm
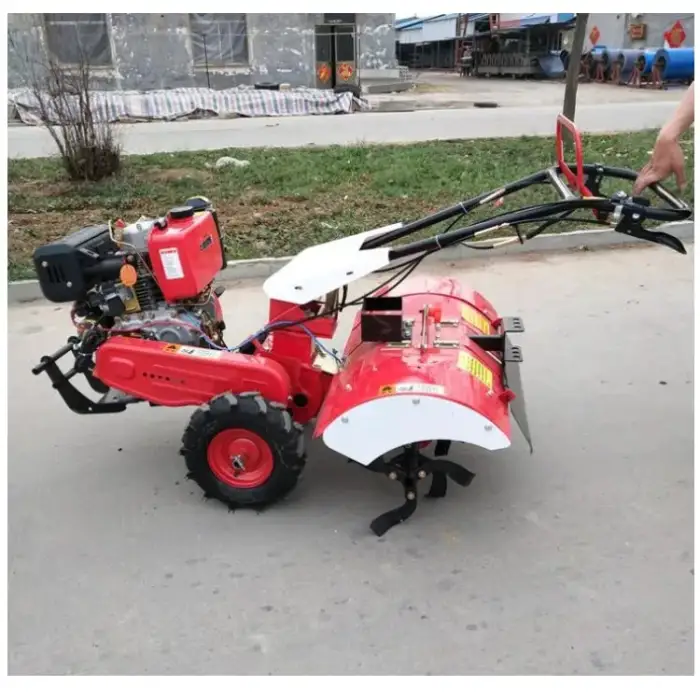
[682,118]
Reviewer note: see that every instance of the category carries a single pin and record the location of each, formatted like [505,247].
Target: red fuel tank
[187,254]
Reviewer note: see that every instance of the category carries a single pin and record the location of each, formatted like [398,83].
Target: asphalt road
[575,560]
[390,127]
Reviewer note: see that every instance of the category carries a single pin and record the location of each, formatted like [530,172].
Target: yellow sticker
[412,388]
[468,363]
[476,319]
[171,348]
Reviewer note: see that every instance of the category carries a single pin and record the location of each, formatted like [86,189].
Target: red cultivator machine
[426,364]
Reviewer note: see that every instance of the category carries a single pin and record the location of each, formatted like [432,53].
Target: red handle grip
[575,181]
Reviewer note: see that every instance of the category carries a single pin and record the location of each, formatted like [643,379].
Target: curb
[26,291]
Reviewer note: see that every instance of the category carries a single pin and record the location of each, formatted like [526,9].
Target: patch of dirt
[25,232]
[175,174]
[41,188]
[253,222]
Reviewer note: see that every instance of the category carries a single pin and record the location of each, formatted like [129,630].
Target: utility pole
[574,68]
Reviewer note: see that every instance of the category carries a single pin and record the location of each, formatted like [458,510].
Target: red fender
[440,385]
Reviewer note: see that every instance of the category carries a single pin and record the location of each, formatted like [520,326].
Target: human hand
[666,158]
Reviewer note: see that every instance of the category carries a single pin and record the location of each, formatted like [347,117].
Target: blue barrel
[626,60]
[600,54]
[675,64]
[645,61]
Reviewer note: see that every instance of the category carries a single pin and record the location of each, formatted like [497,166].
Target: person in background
[667,156]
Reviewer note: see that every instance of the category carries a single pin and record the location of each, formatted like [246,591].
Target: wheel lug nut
[410,496]
[393,476]
[422,474]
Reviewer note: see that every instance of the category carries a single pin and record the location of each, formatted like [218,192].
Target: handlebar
[628,212]
[578,187]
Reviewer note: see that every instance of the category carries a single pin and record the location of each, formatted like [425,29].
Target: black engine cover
[68,268]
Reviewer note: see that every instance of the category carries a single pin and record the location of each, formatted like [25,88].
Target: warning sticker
[477,319]
[192,351]
[468,363]
[172,267]
[411,388]
[198,352]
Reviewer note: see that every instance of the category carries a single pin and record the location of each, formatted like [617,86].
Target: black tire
[273,426]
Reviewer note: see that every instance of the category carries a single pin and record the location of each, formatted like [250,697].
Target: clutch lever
[631,224]
[636,230]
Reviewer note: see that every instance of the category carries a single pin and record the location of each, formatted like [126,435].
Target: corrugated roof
[533,20]
[410,23]
[417,22]
[440,18]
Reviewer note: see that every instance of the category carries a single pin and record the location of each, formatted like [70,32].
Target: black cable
[407,273]
[540,229]
[404,268]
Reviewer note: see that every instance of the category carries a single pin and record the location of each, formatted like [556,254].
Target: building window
[74,38]
[219,40]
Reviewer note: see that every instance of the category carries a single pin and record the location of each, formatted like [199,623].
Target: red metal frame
[282,369]
[576,180]
[180,375]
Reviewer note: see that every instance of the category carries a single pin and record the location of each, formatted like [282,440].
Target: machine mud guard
[73,397]
[512,357]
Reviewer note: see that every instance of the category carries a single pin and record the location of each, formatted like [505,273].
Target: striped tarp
[245,101]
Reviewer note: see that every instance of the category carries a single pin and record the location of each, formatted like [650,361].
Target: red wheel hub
[240,458]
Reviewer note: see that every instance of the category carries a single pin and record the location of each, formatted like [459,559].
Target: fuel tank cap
[182,212]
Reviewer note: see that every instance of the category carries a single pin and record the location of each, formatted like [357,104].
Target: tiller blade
[408,469]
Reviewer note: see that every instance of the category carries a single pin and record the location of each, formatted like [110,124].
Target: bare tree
[64,102]
[574,67]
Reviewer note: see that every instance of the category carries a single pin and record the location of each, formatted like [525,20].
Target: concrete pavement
[449,90]
[577,559]
[288,132]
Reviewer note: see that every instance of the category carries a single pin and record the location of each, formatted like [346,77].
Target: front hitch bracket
[111,402]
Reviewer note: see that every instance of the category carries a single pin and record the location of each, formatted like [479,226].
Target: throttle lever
[671,199]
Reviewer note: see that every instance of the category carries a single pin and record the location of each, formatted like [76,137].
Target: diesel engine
[152,278]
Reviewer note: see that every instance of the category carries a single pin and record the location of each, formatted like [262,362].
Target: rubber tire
[270,421]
